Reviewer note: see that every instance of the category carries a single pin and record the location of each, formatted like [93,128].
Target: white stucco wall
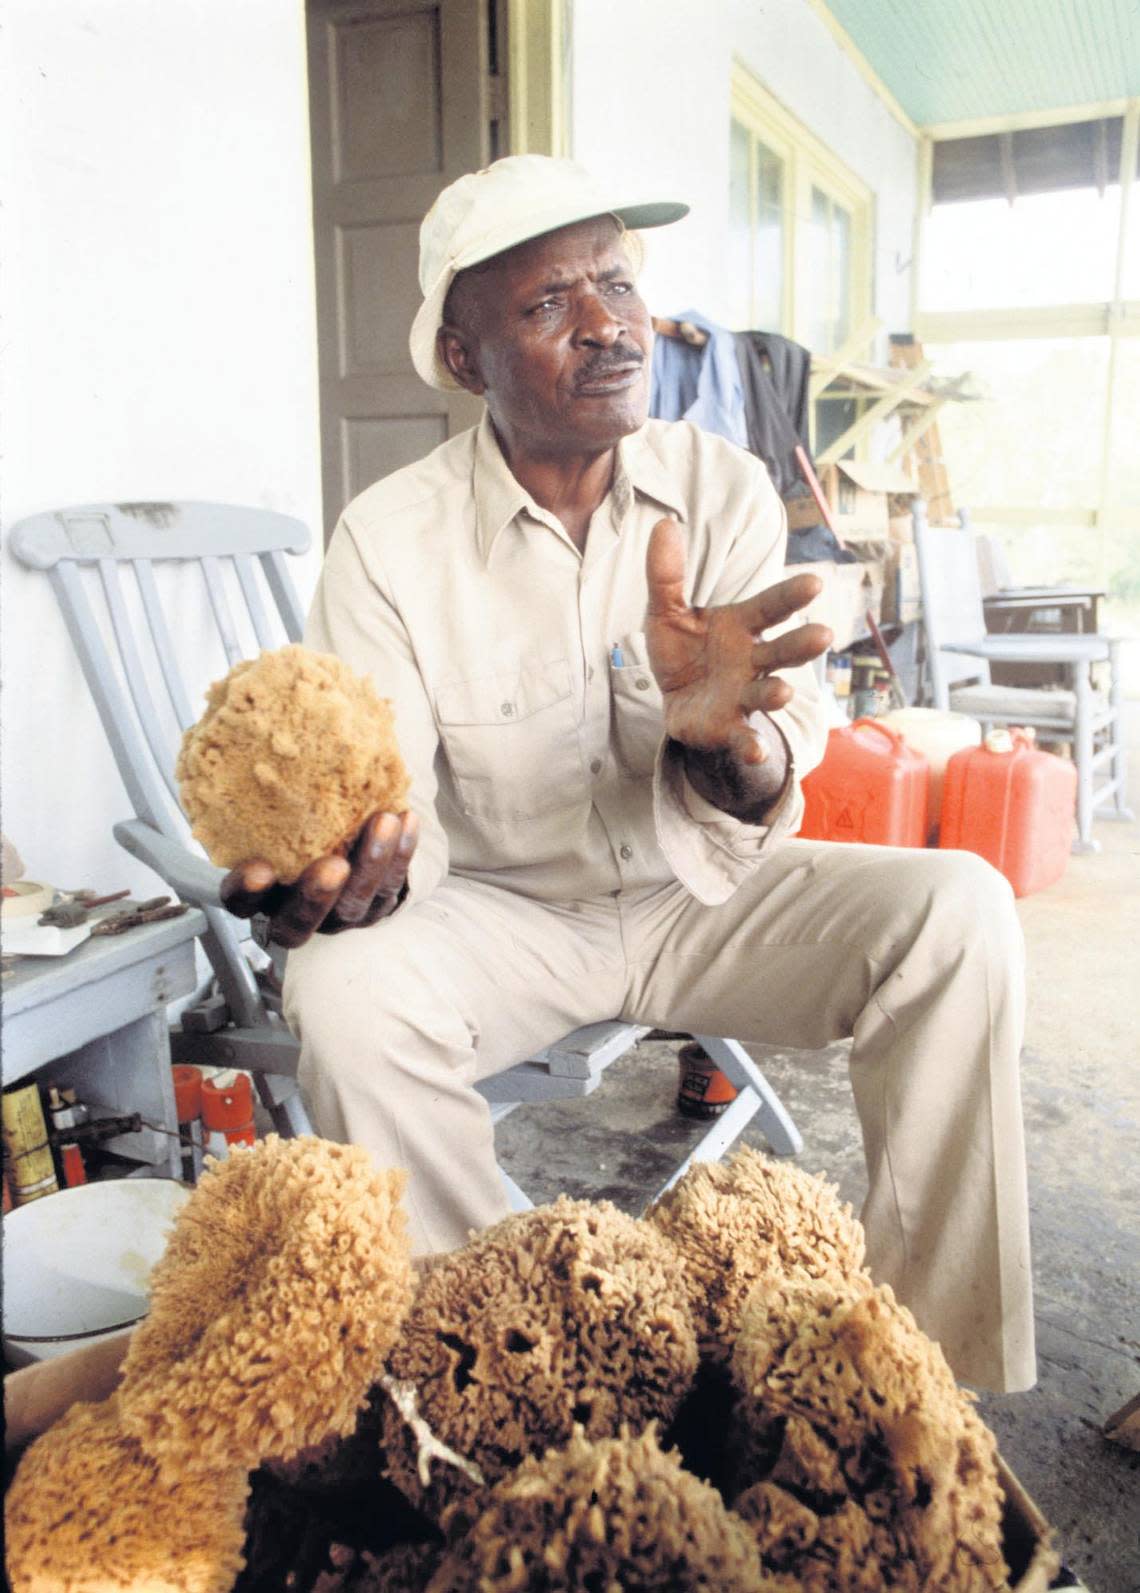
[159,335]
[650,104]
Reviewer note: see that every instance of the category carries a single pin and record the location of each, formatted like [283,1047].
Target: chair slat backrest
[145,786]
[247,580]
[249,543]
[952,608]
[163,647]
[161,748]
[83,550]
[227,630]
[109,537]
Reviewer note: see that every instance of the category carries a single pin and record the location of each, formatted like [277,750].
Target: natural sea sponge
[737,1222]
[88,1512]
[281,1290]
[866,1456]
[407,1568]
[616,1513]
[292,754]
[573,1313]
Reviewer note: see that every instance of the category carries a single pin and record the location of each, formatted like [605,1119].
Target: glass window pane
[812,248]
[1123,486]
[1130,286]
[841,274]
[769,287]
[1057,248]
[1034,440]
[739,230]
[824,257]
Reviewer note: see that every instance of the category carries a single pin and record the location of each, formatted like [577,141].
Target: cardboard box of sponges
[1027,1538]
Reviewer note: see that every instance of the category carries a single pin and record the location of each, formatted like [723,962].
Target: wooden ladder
[933,480]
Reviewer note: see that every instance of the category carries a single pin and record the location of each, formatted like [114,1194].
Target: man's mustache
[620,357]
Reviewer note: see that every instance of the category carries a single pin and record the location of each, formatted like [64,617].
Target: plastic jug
[938,735]
[870,787]
[1014,805]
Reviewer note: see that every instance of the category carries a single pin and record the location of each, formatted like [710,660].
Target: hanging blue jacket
[699,384]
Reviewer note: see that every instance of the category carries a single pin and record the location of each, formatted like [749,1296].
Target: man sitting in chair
[581,618]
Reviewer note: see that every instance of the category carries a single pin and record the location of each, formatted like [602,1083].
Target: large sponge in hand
[293,753]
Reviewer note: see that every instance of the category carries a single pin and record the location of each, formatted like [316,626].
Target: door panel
[387,77]
[398,100]
[380,295]
[374,448]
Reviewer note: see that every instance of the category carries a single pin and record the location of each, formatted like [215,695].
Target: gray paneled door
[398,98]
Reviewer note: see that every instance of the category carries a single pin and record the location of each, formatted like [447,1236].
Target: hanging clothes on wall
[774,374]
[751,387]
[699,382]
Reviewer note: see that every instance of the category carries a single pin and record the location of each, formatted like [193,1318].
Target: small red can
[870,787]
[227,1112]
[1014,805]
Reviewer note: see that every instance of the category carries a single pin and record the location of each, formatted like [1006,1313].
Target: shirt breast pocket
[639,719]
[511,740]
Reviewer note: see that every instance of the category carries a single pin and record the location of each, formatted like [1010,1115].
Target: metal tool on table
[154,911]
[79,906]
[76,907]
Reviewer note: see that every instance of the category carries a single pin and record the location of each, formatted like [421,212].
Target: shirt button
[595,765]
[627,852]
[641,683]
[506,709]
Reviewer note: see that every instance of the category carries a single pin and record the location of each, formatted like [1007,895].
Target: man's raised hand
[334,893]
[712,664]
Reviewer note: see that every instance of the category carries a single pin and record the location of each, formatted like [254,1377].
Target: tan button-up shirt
[525,708]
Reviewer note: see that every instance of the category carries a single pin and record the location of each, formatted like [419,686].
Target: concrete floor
[1081,1090]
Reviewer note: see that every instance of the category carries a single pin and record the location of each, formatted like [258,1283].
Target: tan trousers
[916,954]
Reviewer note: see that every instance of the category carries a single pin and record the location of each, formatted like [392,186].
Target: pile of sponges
[279,1295]
[530,1402]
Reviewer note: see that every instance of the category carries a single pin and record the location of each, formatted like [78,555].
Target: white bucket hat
[486,212]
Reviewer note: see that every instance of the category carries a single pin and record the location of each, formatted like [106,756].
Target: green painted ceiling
[959,60]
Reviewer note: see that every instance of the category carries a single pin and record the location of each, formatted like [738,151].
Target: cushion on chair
[1023,704]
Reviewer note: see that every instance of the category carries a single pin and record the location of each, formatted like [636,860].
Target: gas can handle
[889,731]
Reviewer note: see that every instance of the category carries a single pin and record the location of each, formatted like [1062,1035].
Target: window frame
[1118,317]
[808,164]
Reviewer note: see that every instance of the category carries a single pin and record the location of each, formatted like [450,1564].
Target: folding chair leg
[725,1132]
[1083,756]
[733,1060]
[284,1103]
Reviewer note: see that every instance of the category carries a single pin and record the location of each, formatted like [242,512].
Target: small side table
[97,1018]
[1040,611]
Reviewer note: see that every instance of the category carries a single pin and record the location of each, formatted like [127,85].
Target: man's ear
[453,348]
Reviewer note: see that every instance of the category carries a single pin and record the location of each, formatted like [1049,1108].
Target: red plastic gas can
[870,787]
[1012,804]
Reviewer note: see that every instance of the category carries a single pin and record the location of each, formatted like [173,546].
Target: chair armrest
[195,880]
[1045,596]
[1029,649]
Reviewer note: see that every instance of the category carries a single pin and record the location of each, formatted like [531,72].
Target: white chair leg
[1083,756]
[1120,808]
[517,1199]
[733,1060]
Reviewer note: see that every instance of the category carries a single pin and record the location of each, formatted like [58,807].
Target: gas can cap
[999,741]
